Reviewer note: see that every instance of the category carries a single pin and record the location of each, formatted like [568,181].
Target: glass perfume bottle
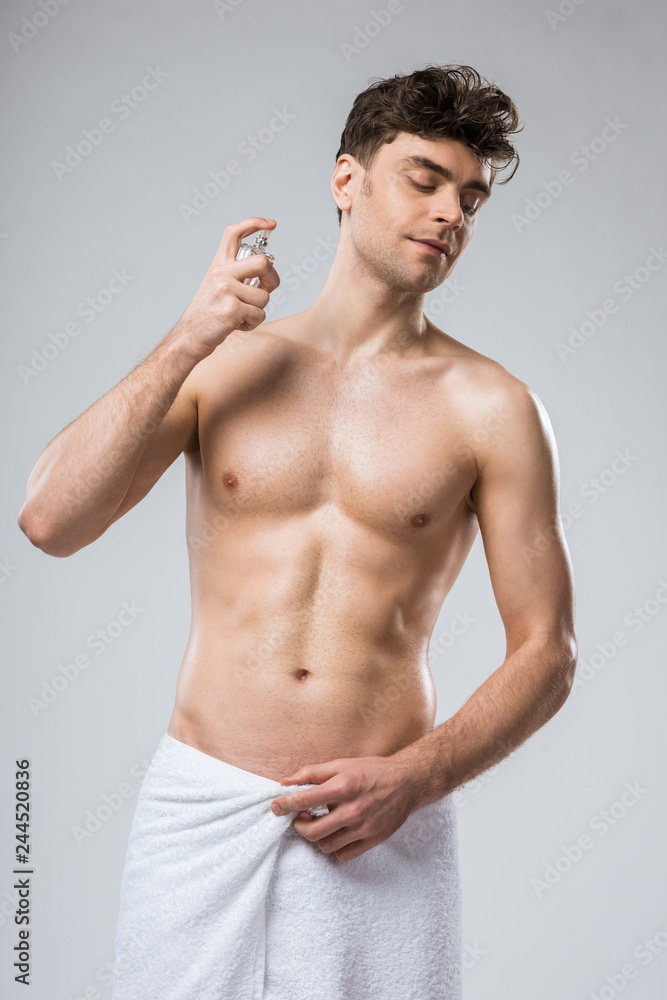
[259,246]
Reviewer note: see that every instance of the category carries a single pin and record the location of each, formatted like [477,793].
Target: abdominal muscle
[324,531]
[303,650]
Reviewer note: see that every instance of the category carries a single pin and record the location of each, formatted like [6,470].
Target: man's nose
[447,211]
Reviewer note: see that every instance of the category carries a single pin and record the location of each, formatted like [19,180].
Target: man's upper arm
[176,431]
[517,502]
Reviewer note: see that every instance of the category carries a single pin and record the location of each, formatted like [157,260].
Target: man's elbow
[565,668]
[40,534]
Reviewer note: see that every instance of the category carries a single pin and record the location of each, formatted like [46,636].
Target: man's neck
[358,315]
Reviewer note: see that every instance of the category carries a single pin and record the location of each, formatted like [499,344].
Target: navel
[420,520]
[230,480]
[301,675]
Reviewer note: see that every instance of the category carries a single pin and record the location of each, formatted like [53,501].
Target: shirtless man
[339,463]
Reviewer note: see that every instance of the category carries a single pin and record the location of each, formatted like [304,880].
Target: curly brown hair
[435,102]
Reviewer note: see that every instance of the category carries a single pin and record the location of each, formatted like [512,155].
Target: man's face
[415,189]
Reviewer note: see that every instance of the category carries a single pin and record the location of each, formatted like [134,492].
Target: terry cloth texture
[222,900]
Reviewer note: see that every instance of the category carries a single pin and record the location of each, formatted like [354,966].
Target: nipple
[420,520]
[230,480]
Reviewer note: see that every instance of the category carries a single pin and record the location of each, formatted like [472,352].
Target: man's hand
[223,302]
[368,799]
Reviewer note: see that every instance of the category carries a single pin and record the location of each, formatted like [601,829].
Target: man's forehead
[410,150]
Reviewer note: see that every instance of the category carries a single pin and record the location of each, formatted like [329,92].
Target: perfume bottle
[259,246]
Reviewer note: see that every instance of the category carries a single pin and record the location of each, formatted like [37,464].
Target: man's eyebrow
[423,161]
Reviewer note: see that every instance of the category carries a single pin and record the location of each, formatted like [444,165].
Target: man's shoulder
[482,381]
[502,416]
[509,426]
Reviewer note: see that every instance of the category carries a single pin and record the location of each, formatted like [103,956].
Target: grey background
[514,296]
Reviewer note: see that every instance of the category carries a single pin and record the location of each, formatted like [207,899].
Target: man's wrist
[183,341]
[424,770]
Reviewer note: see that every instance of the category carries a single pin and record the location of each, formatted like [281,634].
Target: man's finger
[233,236]
[287,804]
[317,772]
[298,801]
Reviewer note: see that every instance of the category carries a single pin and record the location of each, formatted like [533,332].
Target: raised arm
[103,462]
[516,499]
[82,476]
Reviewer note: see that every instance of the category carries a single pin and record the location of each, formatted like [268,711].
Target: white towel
[222,900]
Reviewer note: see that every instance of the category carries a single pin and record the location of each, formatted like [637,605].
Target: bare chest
[383,444]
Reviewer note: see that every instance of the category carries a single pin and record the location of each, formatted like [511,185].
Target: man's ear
[342,181]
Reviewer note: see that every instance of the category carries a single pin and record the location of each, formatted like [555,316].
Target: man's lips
[437,251]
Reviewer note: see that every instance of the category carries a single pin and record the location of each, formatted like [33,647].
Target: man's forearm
[522,695]
[83,474]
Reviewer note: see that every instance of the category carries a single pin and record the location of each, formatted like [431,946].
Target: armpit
[193,443]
